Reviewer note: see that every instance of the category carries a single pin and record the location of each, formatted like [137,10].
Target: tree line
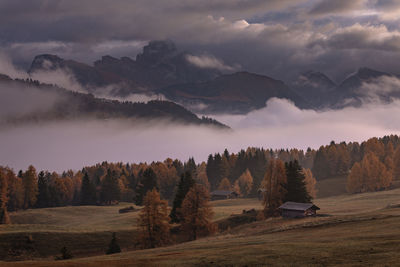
[370,166]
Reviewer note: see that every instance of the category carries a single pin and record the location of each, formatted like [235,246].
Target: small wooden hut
[221,194]
[298,210]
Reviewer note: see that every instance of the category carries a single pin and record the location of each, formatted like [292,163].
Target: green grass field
[362,228]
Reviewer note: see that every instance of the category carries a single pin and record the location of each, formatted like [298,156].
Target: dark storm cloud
[280,38]
[336,6]
[89,20]
[363,37]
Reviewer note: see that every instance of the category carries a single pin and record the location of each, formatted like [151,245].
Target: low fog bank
[22,100]
[281,113]
[72,145]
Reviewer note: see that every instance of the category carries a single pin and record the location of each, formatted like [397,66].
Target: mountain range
[162,69]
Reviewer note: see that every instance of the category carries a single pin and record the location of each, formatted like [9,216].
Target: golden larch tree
[244,183]
[197,213]
[274,186]
[4,218]
[201,175]
[355,180]
[153,221]
[368,176]
[376,147]
[225,185]
[396,164]
[311,183]
[16,192]
[29,182]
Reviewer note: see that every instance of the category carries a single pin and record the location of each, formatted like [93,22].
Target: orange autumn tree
[197,213]
[4,218]
[310,183]
[225,185]
[369,175]
[274,186]
[396,164]
[154,221]
[201,176]
[244,183]
[29,181]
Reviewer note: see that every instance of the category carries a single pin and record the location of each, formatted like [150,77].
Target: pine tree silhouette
[113,247]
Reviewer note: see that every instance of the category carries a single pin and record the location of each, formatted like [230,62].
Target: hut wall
[293,213]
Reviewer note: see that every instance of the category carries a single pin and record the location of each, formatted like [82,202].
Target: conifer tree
[65,254]
[190,166]
[154,227]
[88,191]
[110,189]
[186,182]
[29,181]
[296,186]
[148,181]
[197,213]
[43,197]
[113,247]
[211,172]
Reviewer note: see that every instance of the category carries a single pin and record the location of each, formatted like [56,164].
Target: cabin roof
[298,206]
[221,193]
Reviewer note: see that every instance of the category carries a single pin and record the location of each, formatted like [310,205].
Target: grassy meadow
[352,230]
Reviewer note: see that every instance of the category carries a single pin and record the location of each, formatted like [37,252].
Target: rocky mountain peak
[315,79]
[45,62]
[156,51]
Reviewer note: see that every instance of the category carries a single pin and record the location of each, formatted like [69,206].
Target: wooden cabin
[221,194]
[298,210]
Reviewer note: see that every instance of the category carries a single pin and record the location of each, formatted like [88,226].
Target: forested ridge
[69,105]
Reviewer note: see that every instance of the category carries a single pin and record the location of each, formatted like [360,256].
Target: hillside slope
[50,103]
[322,241]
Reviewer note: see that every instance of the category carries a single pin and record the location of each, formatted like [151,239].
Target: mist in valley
[66,145]
[60,146]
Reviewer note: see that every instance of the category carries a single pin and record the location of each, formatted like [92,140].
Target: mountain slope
[364,85]
[316,87]
[55,103]
[239,92]
[356,88]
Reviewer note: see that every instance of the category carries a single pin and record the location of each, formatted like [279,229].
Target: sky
[279,38]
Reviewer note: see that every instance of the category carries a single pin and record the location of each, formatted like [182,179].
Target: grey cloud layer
[336,6]
[280,38]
